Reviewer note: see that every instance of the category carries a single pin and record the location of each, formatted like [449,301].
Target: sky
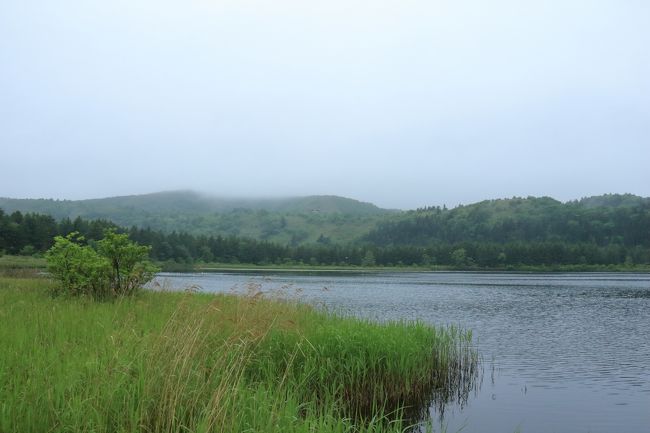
[402,103]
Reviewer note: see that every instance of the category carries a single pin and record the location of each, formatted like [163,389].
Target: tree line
[32,233]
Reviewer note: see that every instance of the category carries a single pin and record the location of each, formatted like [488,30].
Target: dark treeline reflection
[388,245]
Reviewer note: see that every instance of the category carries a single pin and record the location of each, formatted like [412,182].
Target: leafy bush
[117,267]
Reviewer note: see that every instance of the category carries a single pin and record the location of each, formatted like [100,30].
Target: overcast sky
[402,103]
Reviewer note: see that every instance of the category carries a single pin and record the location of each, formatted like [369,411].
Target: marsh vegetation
[173,362]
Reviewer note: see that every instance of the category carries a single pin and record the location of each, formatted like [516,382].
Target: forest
[291,221]
[598,231]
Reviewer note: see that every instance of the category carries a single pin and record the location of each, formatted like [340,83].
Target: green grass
[21,266]
[21,262]
[187,362]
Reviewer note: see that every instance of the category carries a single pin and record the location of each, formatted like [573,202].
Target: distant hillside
[612,200]
[186,201]
[620,219]
[286,220]
[607,219]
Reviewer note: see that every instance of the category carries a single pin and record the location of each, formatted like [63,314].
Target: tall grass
[173,362]
[21,266]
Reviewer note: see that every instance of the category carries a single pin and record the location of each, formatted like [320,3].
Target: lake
[561,352]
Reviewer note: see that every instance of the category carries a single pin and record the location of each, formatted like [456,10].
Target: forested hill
[612,219]
[497,234]
[293,220]
[601,220]
[170,202]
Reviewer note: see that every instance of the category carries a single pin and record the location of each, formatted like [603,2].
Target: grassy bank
[186,362]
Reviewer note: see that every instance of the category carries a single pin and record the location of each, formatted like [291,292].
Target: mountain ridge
[604,219]
[333,219]
[289,220]
[194,201]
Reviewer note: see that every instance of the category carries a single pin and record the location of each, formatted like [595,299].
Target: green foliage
[119,267]
[28,250]
[78,268]
[173,362]
[129,266]
[459,257]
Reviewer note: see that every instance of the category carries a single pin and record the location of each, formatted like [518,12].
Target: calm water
[561,352]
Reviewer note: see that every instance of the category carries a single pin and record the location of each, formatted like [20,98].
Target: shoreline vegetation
[10,264]
[185,361]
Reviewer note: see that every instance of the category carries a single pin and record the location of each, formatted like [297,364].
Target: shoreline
[398,269]
[10,262]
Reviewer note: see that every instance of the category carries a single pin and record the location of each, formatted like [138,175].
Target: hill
[621,219]
[493,234]
[185,202]
[607,219]
[292,220]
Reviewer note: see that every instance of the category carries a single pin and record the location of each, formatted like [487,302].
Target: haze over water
[561,352]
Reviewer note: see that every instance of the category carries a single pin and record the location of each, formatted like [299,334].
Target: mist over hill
[285,220]
[186,201]
[602,220]
[612,229]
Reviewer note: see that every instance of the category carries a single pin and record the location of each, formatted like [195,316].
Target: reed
[187,362]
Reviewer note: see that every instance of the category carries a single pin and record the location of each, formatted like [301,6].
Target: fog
[400,103]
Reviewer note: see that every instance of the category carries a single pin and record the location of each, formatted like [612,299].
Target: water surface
[561,352]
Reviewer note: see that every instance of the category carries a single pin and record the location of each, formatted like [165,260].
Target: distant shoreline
[10,262]
[228,267]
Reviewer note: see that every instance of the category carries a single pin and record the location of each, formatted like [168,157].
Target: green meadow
[190,362]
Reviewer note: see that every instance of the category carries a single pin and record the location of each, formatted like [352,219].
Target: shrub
[27,250]
[129,265]
[118,267]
